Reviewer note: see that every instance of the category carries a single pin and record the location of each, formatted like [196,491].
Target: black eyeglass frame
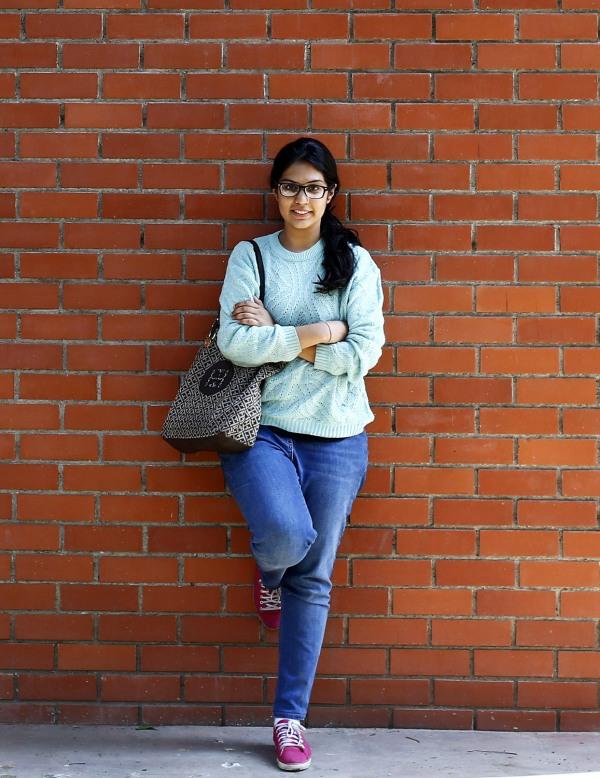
[303,187]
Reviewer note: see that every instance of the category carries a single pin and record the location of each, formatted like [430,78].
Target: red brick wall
[135,145]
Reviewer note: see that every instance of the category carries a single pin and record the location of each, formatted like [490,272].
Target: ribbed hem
[323,354]
[291,342]
[308,427]
[277,249]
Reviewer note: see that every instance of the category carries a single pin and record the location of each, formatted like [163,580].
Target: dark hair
[338,240]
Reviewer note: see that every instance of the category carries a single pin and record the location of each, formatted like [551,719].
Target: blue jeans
[296,493]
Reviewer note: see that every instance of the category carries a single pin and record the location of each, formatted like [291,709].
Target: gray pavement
[46,751]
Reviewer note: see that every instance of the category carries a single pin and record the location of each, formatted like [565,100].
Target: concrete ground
[46,751]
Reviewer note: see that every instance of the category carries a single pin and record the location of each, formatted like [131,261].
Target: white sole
[293,768]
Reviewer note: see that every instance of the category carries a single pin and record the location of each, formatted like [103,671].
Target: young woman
[322,315]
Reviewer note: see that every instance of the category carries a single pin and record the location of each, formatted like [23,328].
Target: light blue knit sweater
[327,398]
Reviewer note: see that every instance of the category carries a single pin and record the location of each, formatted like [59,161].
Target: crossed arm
[254,314]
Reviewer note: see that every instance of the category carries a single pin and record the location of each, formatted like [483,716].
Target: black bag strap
[261,275]
[261,269]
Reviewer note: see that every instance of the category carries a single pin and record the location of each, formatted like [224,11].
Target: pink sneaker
[267,602]
[293,752]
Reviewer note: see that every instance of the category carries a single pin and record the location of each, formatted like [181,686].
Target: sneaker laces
[289,734]
[270,599]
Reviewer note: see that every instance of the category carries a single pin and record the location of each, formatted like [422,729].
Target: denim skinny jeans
[296,493]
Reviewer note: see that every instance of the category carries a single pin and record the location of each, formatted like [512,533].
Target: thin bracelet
[329,328]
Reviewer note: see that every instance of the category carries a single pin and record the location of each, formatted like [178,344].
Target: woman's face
[301,212]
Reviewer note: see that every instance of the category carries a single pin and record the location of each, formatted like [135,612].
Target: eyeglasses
[312,191]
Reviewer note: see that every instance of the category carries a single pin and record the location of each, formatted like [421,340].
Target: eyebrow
[312,181]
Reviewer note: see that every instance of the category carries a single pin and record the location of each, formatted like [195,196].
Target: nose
[301,197]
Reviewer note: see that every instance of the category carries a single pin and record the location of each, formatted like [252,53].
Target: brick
[430,176]
[569,513]
[107,417]
[476,390]
[581,483]
[520,602]
[517,482]
[228,26]
[53,627]
[317,86]
[99,55]
[432,56]
[263,56]
[519,360]
[472,207]
[462,512]
[568,147]
[56,326]
[515,237]
[529,299]
[391,86]
[555,633]
[466,147]
[472,693]
[559,330]
[111,115]
[376,146]
[535,694]
[350,56]
[475,27]
[553,27]
[101,477]
[182,56]
[567,267]
[174,176]
[59,85]
[434,116]
[434,480]
[90,657]
[29,115]
[469,329]
[59,145]
[557,86]
[311,26]
[388,572]
[391,450]
[71,447]
[132,145]
[518,421]
[478,450]
[517,56]
[24,415]
[103,175]
[389,631]
[483,267]
[514,177]
[58,204]
[579,176]
[518,117]
[511,663]
[473,86]
[580,56]
[39,386]
[397,26]
[435,237]
[28,55]
[572,391]
[141,85]
[471,632]
[358,116]
[581,421]
[135,26]
[64,25]
[429,661]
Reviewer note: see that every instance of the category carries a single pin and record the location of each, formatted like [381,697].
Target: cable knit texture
[327,398]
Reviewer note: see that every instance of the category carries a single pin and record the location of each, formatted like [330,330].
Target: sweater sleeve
[242,344]
[361,349]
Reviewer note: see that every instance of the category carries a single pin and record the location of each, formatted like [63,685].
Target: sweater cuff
[323,355]
[290,345]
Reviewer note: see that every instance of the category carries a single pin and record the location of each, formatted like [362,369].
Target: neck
[299,240]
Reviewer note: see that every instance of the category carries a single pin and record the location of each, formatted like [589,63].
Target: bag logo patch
[216,378]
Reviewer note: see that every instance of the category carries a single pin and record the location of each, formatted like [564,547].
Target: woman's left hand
[253,313]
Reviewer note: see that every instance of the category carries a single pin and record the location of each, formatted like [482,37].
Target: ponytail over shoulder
[338,240]
[339,260]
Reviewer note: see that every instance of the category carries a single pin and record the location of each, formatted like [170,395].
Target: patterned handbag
[218,405]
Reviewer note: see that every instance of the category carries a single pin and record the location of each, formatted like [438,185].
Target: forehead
[302,173]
